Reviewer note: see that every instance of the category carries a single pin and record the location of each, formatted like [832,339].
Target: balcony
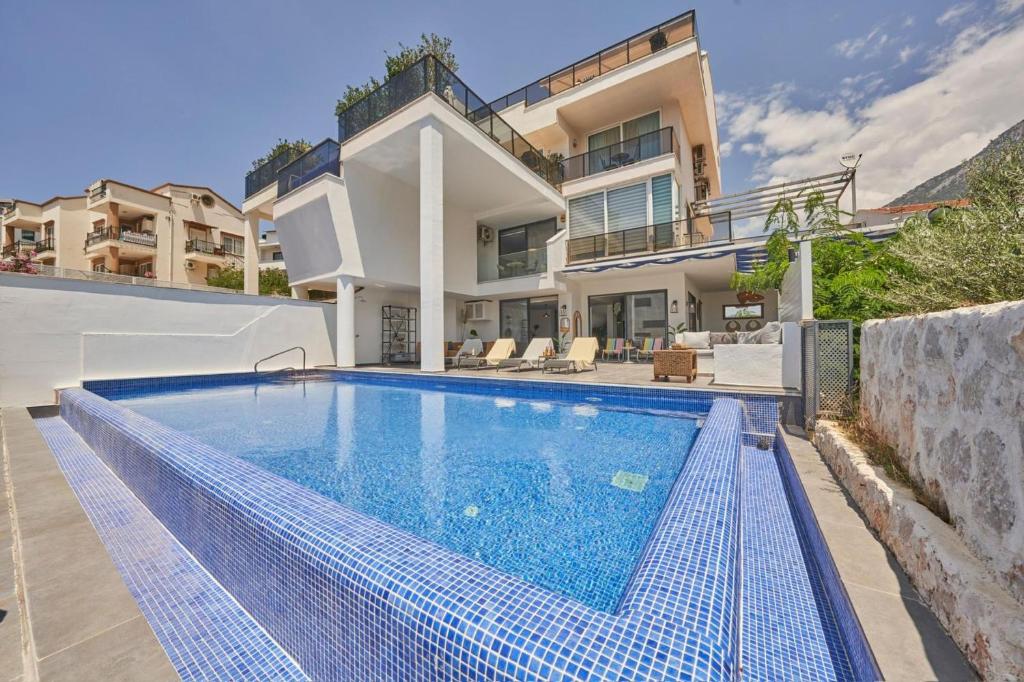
[17,247]
[321,159]
[643,44]
[649,239]
[430,75]
[129,241]
[621,154]
[522,263]
[44,245]
[266,174]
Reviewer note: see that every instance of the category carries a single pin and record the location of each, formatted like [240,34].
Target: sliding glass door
[524,319]
[634,316]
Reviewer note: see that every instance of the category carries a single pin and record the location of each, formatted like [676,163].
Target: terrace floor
[617,373]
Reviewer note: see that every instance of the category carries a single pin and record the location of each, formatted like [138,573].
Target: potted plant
[658,41]
[748,297]
[673,331]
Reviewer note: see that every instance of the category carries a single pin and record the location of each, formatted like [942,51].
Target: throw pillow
[699,340]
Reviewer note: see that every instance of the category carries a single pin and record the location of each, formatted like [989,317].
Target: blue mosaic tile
[204,631]
[353,598]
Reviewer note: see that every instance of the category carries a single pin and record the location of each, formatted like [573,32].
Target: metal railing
[102,274]
[45,244]
[18,245]
[674,235]
[643,44]
[265,174]
[640,148]
[98,192]
[323,158]
[521,263]
[255,368]
[200,246]
[120,234]
[430,75]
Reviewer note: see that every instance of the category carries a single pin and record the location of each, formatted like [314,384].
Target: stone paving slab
[83,623]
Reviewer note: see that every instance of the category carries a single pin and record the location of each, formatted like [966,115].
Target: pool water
[561,494]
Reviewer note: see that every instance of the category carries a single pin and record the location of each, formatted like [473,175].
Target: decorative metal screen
[828,368]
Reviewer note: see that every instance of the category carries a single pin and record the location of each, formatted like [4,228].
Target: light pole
[850,162]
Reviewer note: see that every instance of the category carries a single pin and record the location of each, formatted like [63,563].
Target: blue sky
[192,92]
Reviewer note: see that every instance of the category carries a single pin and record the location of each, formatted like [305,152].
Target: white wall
[796,293]
[59,332]
[714,300]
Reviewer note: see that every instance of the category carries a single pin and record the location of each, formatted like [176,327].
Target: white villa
[583,204]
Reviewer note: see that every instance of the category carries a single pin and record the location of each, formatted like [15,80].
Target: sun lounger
[501,350]
[533,356]
[580,356]
[471,348]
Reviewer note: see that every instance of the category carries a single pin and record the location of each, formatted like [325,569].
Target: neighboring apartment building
[576,205]
[176,233]
[271,255]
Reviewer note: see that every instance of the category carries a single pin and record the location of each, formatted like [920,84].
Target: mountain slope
[952,184]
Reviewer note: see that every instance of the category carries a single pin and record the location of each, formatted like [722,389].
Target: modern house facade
[174,232]
[575,206]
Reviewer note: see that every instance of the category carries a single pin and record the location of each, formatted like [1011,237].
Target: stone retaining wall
[982,618]
[947,391]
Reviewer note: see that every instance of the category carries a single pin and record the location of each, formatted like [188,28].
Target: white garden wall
[58,332]
[947,390]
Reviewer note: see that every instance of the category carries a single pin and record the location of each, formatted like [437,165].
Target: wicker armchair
[675,363]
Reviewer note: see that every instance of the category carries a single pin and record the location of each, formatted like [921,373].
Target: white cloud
[868,45]
[908,22]
[905,136]
[725,149]
[906,53]
[954,13]
[1009,6]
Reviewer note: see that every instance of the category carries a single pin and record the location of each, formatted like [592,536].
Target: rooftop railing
[321,159]
[648,239]
[625,153]
[643,44]
[430,75]
[266,174]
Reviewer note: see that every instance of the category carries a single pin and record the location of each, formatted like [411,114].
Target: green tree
[283,145]
[406,56]
[272,281]
[966,256]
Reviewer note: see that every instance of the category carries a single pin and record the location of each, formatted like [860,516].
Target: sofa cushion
[696,339]
[718,338]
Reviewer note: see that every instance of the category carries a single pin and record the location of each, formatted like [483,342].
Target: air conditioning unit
[698,153]
[476,310]
[485,234]
[196,199]
[190,265]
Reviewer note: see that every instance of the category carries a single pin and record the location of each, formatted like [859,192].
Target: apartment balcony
[206,252]
[23,215]
[265,174]
[621,154]
[45,246]
[19,246]
[493,267]
[678,235]
[129,242]
[321,159]
[628,51]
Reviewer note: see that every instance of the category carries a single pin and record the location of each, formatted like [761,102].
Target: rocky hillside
[952,184]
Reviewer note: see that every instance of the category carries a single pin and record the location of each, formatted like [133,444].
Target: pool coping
[524,627]
[77,619]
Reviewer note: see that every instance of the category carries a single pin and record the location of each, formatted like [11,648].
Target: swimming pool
[559,493]
[352,541]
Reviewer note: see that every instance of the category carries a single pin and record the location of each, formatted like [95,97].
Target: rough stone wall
[947,391]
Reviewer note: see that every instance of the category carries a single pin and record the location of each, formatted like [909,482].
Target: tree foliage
[966,256]
[273,281]
[406,56]
[283,145]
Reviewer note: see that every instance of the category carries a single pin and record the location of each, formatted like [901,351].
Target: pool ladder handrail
[255,367]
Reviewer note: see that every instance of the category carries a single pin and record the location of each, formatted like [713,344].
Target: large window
[523,250]
[524,319]
[607,222]
[604,146]
[634,316]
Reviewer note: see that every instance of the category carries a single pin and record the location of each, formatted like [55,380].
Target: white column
[431,313]
[300,292]
[346,336]
[806,281]
[252,253]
